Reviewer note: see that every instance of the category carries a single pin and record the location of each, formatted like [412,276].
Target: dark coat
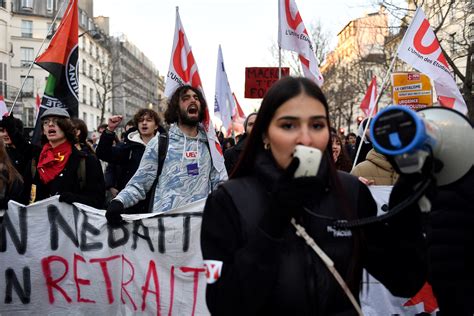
[93,191]
[266,276]
[126,156]
[232,155]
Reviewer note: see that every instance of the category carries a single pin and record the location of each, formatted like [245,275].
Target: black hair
[172,112]
[280,92]
[246,122]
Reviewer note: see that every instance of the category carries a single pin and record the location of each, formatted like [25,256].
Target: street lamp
[95,35]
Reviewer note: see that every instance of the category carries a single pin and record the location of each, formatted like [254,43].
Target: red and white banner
[292,35]
[368,102]
[420,49]
[224,104]
[375,299]
[183,70]
[3,107]
[57,258]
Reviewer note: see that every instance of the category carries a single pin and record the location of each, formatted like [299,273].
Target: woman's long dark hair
[6,167]
[282,91]
[81,126]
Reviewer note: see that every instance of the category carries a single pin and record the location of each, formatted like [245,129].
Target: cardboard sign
[259,79]
[412,89]
[57,258]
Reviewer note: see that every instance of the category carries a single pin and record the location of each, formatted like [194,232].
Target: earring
[266,146]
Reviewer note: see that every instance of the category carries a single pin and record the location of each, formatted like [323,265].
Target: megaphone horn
[409,136]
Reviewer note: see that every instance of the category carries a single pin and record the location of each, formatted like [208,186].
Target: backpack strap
[162,151]
[81,173]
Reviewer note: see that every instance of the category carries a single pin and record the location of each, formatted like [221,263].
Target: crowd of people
[249,221]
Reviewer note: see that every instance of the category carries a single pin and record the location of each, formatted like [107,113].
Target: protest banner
[412,89]
[56,257]
[375,299]
[259,79]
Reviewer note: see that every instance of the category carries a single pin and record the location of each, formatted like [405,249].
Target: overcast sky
[246,30]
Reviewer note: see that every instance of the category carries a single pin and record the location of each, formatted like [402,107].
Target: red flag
[60,60]
[425,296]
[238,113]
[183,70]
[370,98]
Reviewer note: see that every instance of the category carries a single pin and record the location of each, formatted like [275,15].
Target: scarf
[53,160]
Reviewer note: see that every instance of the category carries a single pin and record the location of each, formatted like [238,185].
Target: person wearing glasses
[61,169]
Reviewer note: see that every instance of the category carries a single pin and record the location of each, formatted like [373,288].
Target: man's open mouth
[193,110]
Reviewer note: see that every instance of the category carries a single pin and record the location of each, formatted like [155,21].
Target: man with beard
[187,173]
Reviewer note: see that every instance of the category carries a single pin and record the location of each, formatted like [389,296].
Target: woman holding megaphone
[268,236]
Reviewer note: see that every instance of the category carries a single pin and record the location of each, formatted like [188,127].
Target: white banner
[57,258]
[375,299]
[224,104]
[420,49]
[292,35]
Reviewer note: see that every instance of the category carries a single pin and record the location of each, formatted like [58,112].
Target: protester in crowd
[339,155]
[376,170]
[366,143]
[256,263]
[81,135]
[351,145]
[11,182]
[126,156]
[451,247]
[63,170]
[18,148]
[188,173]
[232,155]
[228,143]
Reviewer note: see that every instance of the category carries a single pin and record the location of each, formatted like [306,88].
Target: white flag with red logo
[223,101]
[3,107]
[292,35]
[183,70]
[368,102]
[420,49]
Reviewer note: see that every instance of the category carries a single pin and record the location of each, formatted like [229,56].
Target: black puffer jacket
[265,276]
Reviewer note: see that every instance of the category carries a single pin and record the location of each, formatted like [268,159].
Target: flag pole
[279,62]
[379,95]
[37,54]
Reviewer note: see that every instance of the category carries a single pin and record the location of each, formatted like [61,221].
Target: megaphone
[411,136]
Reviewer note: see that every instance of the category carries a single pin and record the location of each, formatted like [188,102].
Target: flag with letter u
[292,35]
[420,49]
[183,70]
[61,61]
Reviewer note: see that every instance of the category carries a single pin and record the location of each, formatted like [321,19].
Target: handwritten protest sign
[56,257]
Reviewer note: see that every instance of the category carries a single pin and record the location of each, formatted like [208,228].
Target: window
[84,66]
[91,71]
[3,79]
[28,87]
[26,28]
[84,116]
[29,117]
[97,75]
[27,4]
[91,96]
[50,5]
[84,94]
[84,19]
[3,4]
[27,56]
[452,43]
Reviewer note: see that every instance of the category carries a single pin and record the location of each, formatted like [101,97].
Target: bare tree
[320,37]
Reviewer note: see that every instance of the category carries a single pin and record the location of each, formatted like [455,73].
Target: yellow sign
[412,89]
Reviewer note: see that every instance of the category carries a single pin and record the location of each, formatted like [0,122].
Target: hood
[176,134]
[135,137]
[379,160]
